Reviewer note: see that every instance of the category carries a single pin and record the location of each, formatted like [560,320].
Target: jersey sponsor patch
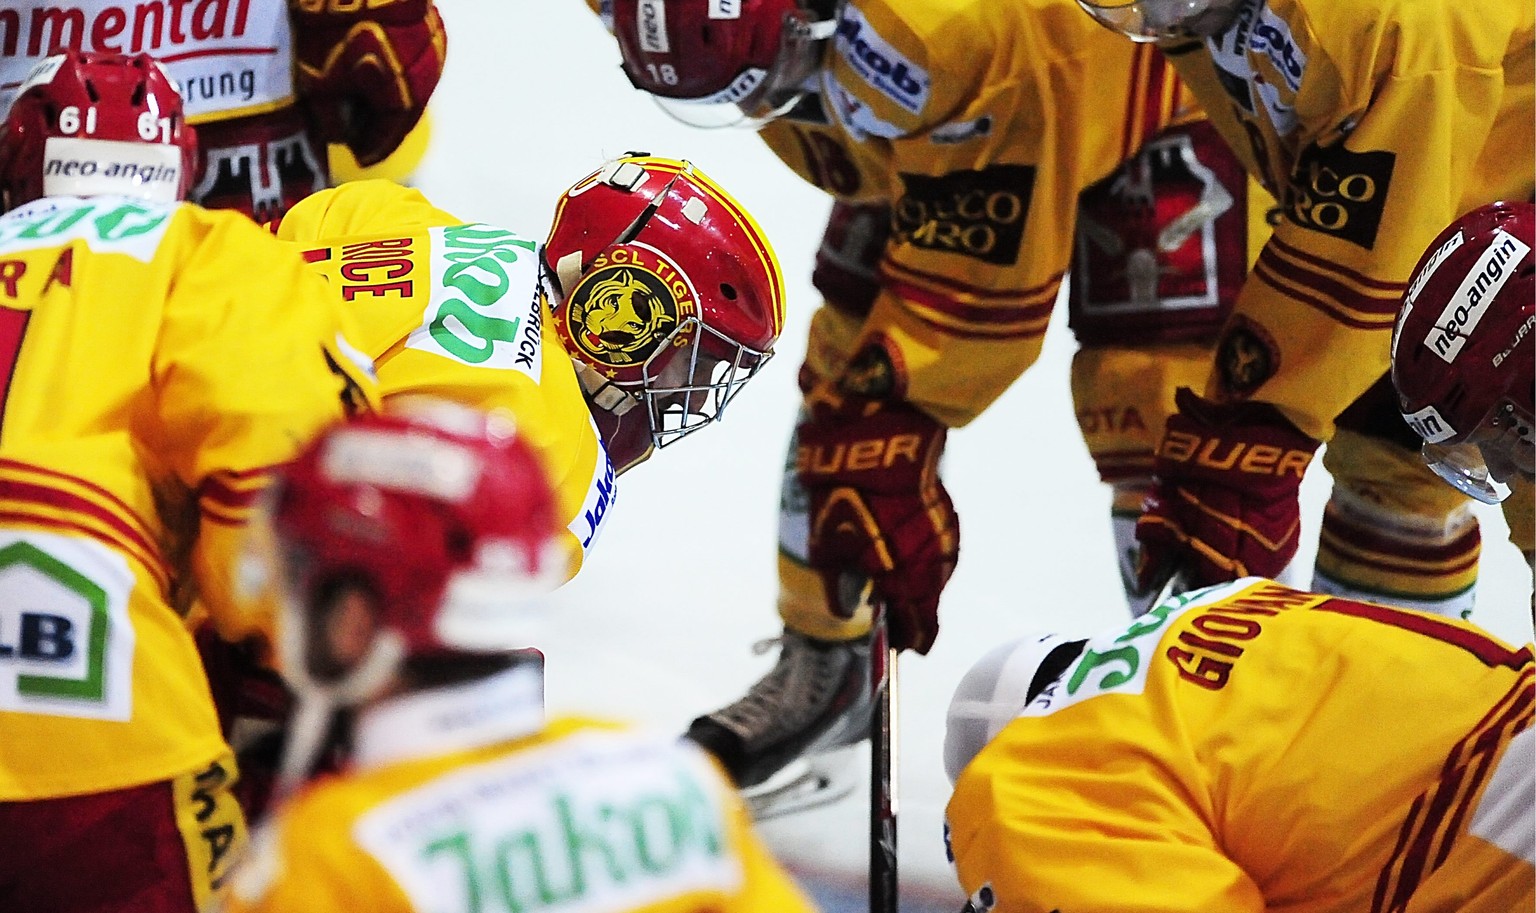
[879,63]
[593,822]
[856,116]
[602,492]
[978,214]
[484,308]
[66,644]
[1119,663]
[109,225]
[225,57]
[1339,192]
[1461,315]
[1259,65]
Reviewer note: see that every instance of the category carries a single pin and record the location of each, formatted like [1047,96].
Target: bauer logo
[725,9]
[1470,301]
[627,306]
[879,63]
[651,22]
[97,167]
[484,307]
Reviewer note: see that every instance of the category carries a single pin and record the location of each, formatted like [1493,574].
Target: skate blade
[807,783]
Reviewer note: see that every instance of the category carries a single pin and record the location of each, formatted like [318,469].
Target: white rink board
[659,627]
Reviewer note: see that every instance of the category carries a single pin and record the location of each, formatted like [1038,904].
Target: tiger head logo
[618,315]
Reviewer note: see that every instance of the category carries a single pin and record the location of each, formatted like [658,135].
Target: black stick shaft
[883,896]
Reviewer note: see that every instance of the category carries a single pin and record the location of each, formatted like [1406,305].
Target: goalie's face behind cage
[666,296]
[712,64]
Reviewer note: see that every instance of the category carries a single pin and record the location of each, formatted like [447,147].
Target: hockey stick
[883,771]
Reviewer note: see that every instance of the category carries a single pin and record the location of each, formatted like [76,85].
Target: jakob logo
[1339,192]
[879,63]
[628,307]
[976,214]
[484,308]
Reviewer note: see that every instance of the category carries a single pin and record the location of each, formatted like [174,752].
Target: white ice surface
[659,626]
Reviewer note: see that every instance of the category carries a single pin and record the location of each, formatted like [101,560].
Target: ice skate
[815,699]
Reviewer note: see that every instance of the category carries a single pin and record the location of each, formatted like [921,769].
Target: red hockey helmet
[666,295]
[722,62]
[1463,353]
[86,124]
[441,513]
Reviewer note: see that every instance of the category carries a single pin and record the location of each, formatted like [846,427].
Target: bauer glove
[870,468]
[1224,501]
[365,72]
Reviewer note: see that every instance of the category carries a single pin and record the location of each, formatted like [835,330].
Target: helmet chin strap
[604,393]
[318,703]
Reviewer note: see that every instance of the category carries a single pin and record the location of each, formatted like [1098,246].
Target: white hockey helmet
[997,689]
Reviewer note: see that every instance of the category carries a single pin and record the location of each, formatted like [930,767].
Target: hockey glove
[878,509]
[1224,501]
[253,705]
[365,71]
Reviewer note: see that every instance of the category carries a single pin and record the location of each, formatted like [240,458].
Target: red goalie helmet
[666,295]
[86,124]
[440,512]
[1463,352]
[721,62]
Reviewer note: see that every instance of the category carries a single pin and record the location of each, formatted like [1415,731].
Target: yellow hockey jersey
[456,310]
[1375,124]
[492,811]
[1250,747]
[155,362]
[982,123]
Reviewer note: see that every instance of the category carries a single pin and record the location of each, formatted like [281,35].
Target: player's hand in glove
[1224,501]
[365,72]
[877,507]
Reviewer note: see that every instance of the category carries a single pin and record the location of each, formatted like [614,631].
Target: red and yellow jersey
[983,146]
[1375,124]
[1250,747]
[456,310]
[158,361]
[579,816]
